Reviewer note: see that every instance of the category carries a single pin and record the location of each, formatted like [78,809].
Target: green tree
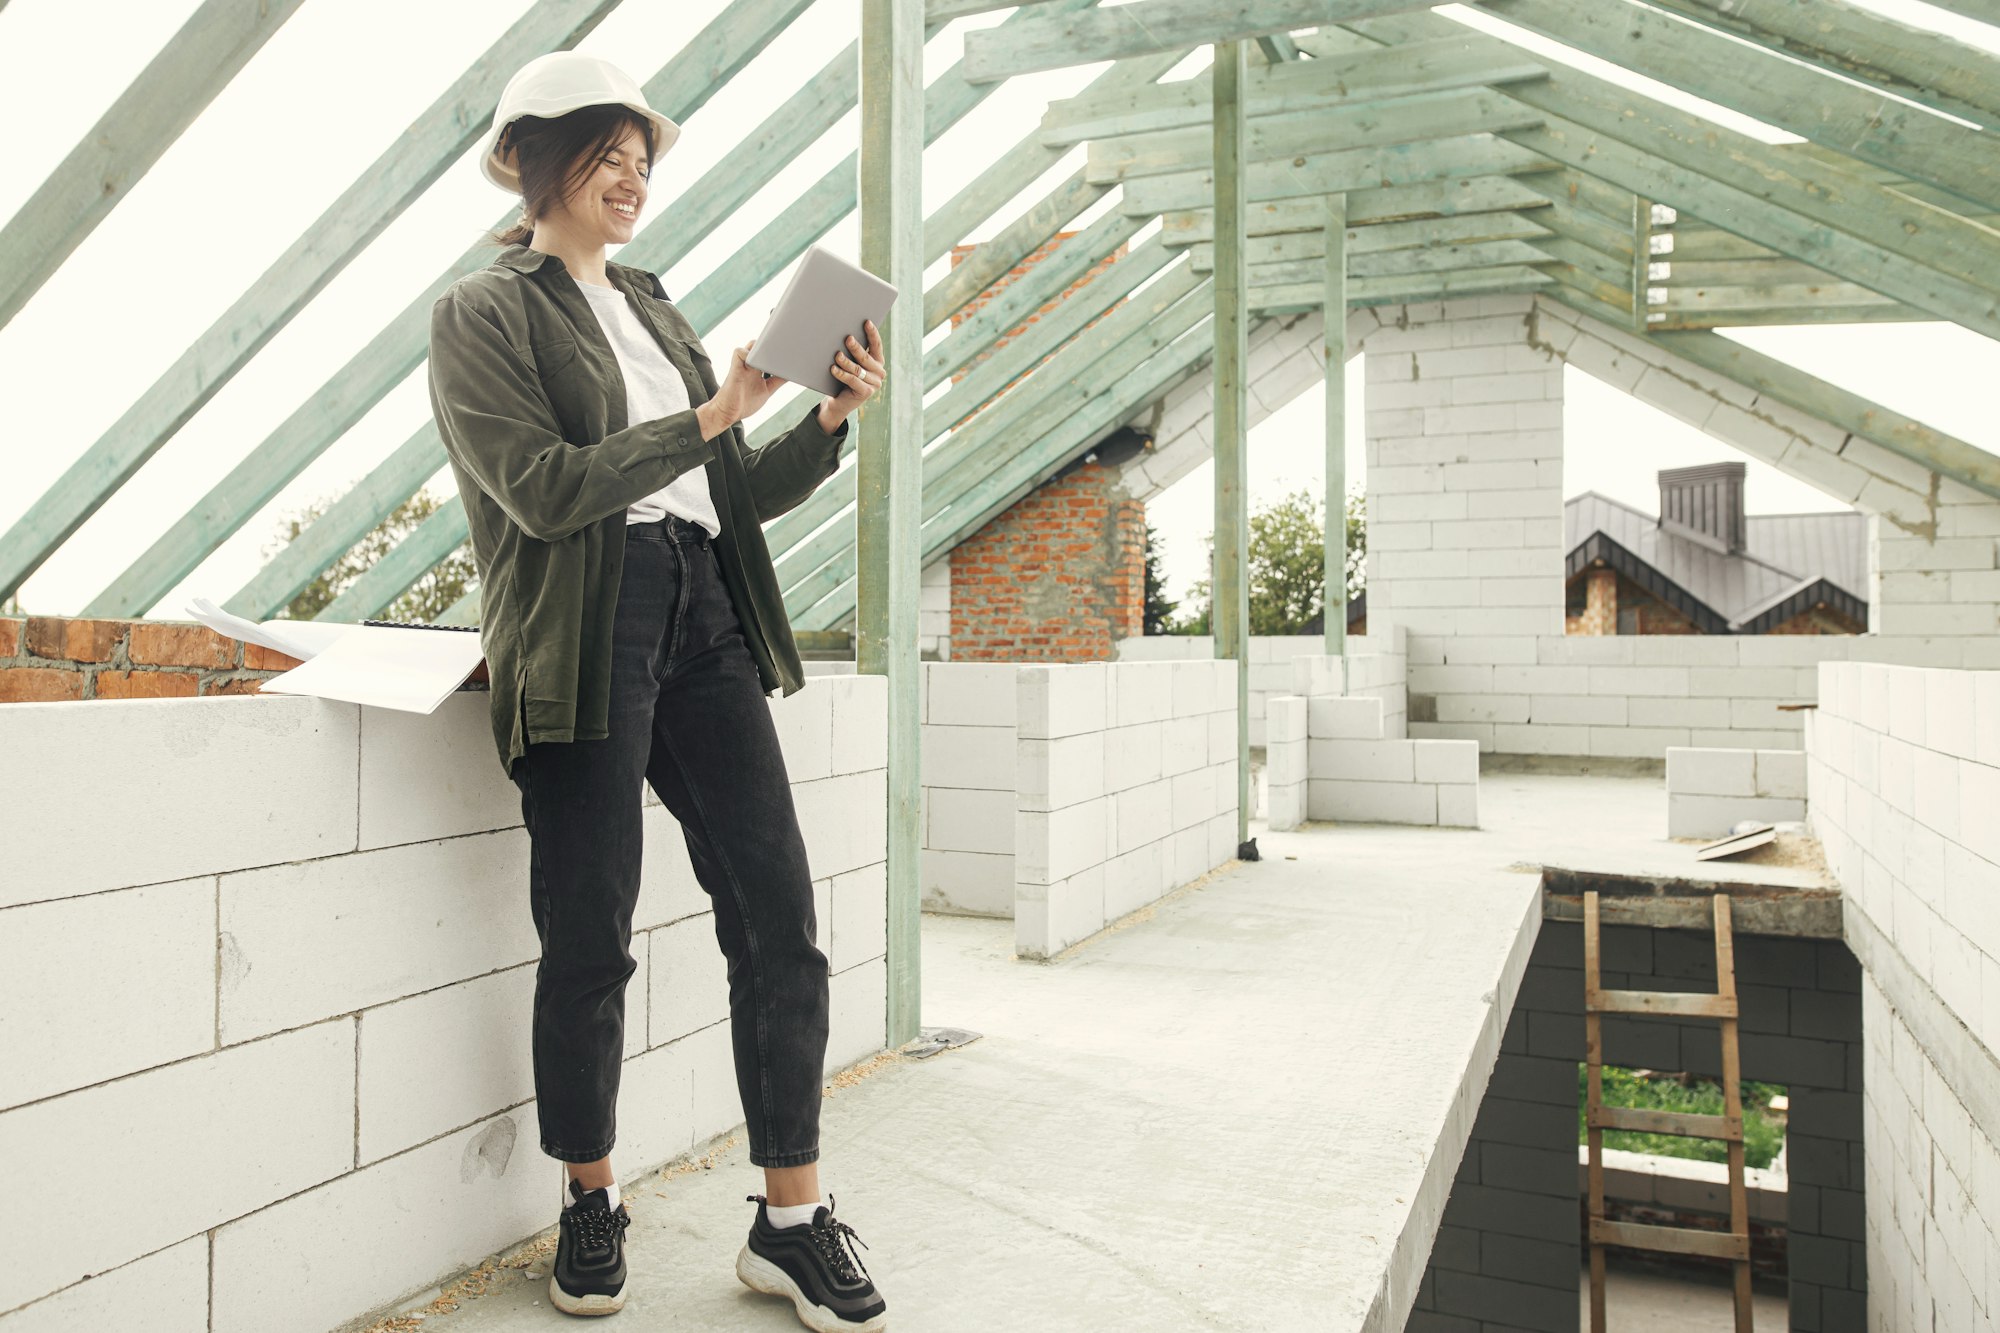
[427,598]
[1159,612]
[1287,565]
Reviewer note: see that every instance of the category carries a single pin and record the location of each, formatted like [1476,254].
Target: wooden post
[1229,605]
[1335,317]
[1642,258]
[888,459]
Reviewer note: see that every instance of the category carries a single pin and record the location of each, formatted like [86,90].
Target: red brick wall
[1059,577]
[45,658]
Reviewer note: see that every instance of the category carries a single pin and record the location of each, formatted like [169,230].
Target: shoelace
[827,1238]
[597,1227]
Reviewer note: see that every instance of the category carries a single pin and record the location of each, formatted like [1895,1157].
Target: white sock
[569,1200]
[792,1215]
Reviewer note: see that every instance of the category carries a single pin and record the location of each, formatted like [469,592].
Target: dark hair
[554,156]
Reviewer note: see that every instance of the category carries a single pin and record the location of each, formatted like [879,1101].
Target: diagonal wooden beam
[1914,63]
[433,143]
[175,87]
[1829,111]
[441,533]
[1311,85]
[1141,28]
[1895,431]
[1915,252]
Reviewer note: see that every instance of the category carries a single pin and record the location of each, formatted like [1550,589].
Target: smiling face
[604,209]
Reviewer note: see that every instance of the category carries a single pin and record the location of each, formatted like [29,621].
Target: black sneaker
[588,1276]
[814,1263]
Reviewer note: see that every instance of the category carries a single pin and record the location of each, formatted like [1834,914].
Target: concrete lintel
[1674,902]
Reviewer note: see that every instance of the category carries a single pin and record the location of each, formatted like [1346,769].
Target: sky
[328,95]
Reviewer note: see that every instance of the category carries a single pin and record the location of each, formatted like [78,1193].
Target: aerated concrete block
[197,1143]
[426,776]
[444,1059]
[166,1290]
[149,955]
[1335,718]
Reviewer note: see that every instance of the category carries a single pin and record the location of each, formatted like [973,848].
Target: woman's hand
[858,368]
[743,393]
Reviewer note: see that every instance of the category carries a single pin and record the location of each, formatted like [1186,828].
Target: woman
[633,627]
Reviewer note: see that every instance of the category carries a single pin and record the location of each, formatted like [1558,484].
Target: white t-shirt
[653,388]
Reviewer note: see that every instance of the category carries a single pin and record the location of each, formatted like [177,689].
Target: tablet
[827,299]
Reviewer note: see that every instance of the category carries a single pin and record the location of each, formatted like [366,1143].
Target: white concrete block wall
[966,724]
[1634,696]
[934,608]
[1271,656]
[1710,791]
[310,959]
[1903,780]
[1126,779]
[1464,450]
[1285,761]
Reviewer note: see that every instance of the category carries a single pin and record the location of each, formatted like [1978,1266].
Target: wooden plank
[1732,1106]
[1855,122]
[1403,120]
[1914,63]
[1666,319]
[350,518]
[767,254]
[436,141]
[1642,259]
[1825,295]
[1593,1054]
[1401,263]
[1146,26]
[1934,449]
[806,542]
[1610,271]
[1669,1240]
[1916,252]
[1683,1123]
[889,462]
[1229,607]
[176,86]
[1571,288]
[1103,365]
[1389,238]
[443,532]
[1685,1004]
[992,260]
[1333,575]
[1313,85]
[1297,297]
[1339,172]
[1462,197]
[1007,175]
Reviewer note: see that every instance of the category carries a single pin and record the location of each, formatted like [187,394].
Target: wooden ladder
[1733,1244]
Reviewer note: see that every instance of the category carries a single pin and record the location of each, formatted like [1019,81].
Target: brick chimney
[1705,503]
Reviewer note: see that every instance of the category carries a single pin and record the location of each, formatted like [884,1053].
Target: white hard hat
[557,84]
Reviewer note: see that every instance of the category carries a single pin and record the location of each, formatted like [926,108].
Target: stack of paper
[412,669]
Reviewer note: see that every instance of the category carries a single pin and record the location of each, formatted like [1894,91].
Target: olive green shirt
[530,404]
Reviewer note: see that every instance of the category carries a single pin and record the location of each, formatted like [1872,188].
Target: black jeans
[689,716]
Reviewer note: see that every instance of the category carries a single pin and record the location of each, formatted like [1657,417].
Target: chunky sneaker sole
[583,1305]
[760,1274]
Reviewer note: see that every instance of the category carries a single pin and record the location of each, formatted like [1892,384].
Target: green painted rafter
[1049,41]
[1342,171]
[176,86]
[438,141]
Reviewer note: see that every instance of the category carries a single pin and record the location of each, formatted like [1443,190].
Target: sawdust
[504,1270]
[1791,851]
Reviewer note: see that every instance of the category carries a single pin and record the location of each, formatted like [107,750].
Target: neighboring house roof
[1790,561]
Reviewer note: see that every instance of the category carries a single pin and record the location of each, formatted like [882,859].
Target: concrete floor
[1240,1109]
[1642,1302]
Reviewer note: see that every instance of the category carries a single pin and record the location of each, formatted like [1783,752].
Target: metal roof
[1784,554]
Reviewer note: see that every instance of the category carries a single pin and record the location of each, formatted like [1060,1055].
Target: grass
[1763,1128]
